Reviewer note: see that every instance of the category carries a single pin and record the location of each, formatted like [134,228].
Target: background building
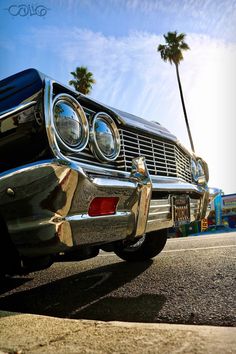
[224,212]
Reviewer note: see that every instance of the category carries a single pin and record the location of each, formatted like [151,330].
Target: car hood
[143,124]
[22,86]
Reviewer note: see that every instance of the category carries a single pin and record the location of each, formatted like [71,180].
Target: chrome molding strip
[17,109]
[113,183]
[32,166]
[81,217]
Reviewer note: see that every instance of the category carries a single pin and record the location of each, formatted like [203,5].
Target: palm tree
[83,80]
[172,51]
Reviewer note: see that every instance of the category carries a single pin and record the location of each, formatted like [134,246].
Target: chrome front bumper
[45,205]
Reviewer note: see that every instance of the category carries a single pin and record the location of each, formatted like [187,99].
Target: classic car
[77,176]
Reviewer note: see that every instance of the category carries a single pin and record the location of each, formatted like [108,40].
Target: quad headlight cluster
[199,171]
[73,132]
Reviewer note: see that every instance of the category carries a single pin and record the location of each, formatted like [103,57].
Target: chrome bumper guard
[140,209]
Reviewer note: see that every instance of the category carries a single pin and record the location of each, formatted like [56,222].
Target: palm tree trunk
[184,109]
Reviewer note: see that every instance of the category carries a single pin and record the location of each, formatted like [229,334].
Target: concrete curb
[25,333]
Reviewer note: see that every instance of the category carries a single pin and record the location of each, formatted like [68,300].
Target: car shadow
[89,295]
[8,283]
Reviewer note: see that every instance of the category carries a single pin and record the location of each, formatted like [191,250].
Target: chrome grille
[162,158]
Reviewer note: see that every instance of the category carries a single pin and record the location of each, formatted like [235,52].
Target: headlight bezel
[82,120]
[94,144]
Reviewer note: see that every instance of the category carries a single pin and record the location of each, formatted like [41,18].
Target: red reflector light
[103,206]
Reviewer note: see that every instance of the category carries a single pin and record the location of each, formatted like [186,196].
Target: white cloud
[210,78]
[209,16]
[131,76]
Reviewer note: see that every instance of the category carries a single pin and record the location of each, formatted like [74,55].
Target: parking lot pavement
[34,334]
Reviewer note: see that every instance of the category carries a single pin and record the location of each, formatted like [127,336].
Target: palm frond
[84,79]
[172,50]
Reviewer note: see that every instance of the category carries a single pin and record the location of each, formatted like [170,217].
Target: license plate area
[181,210]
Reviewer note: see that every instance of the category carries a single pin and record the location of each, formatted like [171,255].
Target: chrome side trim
[17,109]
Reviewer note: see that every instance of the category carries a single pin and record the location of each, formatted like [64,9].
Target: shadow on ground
[7,284]
[88,295]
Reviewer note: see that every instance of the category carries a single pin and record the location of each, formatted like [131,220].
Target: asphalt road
[191,282]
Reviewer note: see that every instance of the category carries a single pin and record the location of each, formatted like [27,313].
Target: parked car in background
[77,176]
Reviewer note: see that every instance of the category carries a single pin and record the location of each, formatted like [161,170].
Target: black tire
[149,246]
[9,257]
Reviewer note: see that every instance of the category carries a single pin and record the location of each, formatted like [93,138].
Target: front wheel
[147,247]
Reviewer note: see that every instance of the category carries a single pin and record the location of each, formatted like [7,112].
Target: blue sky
[117,41]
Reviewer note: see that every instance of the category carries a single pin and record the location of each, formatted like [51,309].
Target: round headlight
[105,139]
[194,170]
[70,122]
